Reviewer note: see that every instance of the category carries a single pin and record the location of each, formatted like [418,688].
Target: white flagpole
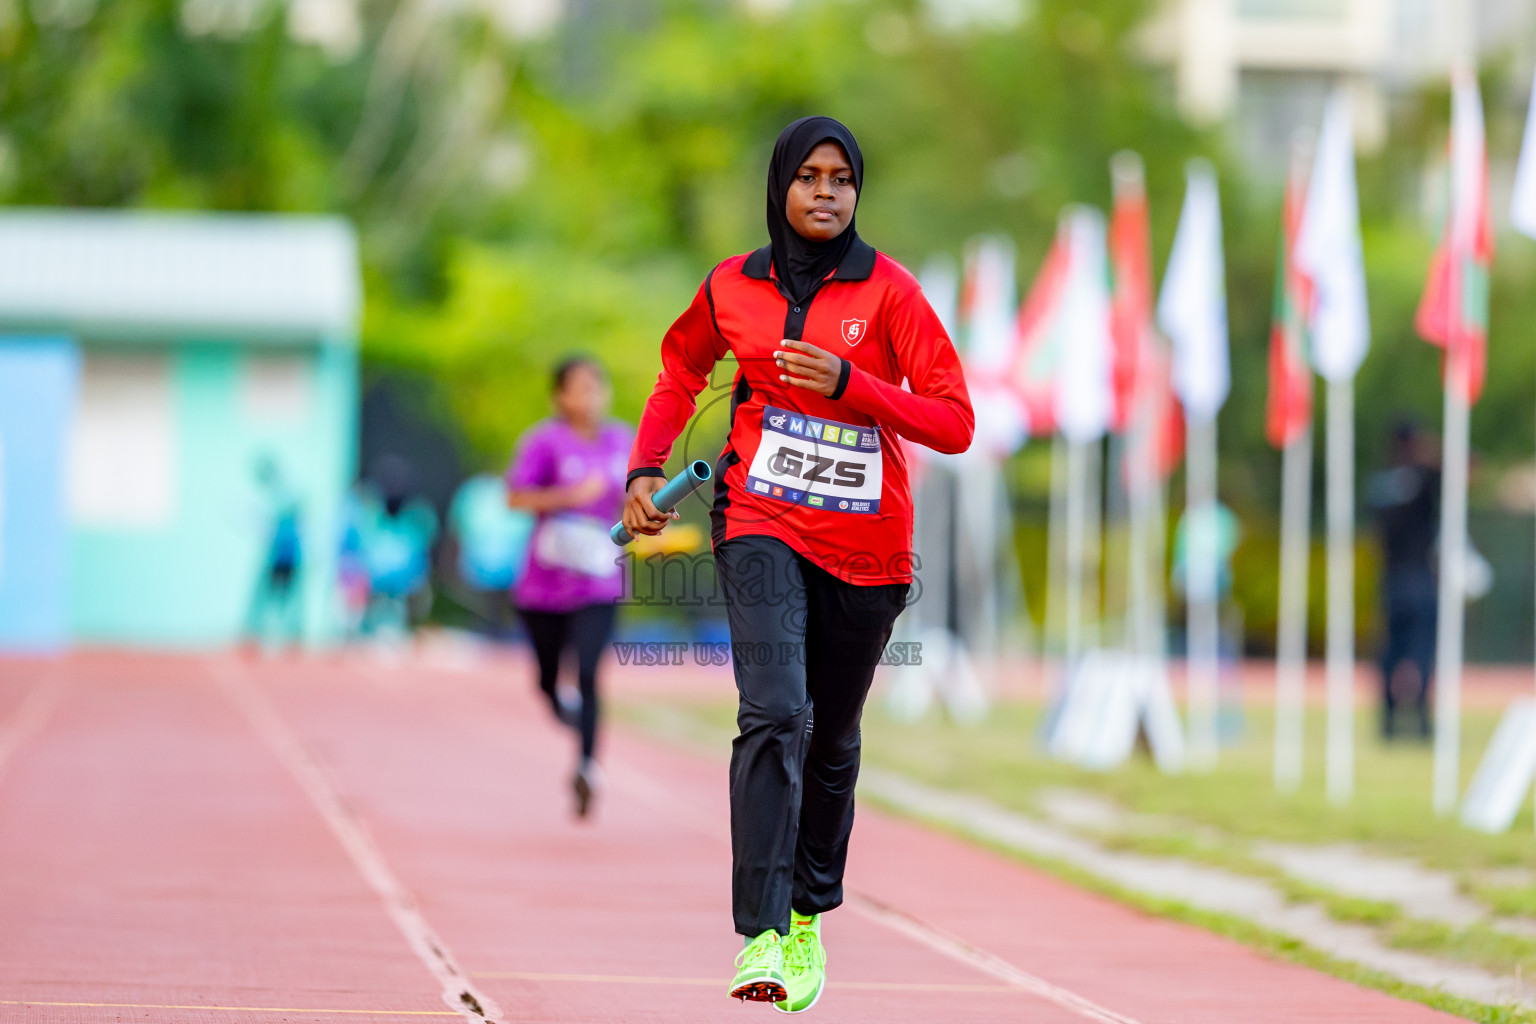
[1139,576]
[1148,539]
[1291,641]
[1453,558]
[1328,250]
[1156,628]
[1072,598]
[1117,541]
[1133,469]
[1056,556]
[1192,309]
[1093,541]
[1082,404]
[1201,569]
[1341,590]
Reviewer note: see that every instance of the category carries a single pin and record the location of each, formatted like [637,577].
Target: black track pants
[586,630]
[804,646]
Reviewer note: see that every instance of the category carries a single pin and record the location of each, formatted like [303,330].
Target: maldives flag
[988,303]
[1038,356]
[1130,261]
[1140,372]
[1453,312]
[1289,409]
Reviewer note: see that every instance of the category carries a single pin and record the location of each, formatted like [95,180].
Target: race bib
[816,462]
[577,543]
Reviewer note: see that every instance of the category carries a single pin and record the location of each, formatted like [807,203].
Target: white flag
[941,287]
[982,310]
[1192,309]
[1084,393]
[991,297]
[1522,208]
[1328,250]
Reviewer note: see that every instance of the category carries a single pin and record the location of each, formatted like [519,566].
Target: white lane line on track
[30,717]
[458,991]
[957,948]
[892,918]
[628,979]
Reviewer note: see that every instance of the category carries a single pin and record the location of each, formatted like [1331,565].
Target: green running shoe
[760,974]
[805,964]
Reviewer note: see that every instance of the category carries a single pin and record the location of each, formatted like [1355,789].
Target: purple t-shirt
[571,561]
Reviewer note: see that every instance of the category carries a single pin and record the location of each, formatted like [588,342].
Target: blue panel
[39,381]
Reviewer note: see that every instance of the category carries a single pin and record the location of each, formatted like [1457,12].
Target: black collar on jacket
[857,264]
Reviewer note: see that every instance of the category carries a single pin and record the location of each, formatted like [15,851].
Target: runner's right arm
[689,352]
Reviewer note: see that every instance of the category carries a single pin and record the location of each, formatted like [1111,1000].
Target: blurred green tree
[520,198]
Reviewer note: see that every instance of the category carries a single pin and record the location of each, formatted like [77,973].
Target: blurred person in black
[1405,498]
[274,613]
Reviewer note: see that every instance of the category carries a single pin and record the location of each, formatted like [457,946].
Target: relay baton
[670,496]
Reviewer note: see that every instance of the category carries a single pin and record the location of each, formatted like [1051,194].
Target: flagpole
[1341,590]
[1147,543]
[1201,544]
[1117,540]
[1093,542]
[1139,575]
[1156,627]
[1448,632]
[1056,559]
[1192,310]
[1291,640]
[1077,481]
[1133,462]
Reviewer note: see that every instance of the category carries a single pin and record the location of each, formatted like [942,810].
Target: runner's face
[822,197]
[583,399]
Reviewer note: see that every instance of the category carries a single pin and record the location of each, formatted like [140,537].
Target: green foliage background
[518,200]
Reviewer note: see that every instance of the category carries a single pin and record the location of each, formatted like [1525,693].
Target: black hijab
[801,262]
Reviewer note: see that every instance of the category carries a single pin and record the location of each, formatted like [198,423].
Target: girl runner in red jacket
[811,523]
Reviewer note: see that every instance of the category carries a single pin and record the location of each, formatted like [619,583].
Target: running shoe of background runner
[805,964]
[585,786]
[760,970]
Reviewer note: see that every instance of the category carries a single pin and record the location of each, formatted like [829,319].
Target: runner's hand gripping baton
[670,496]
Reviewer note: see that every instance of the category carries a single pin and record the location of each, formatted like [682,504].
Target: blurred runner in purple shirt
[570,470]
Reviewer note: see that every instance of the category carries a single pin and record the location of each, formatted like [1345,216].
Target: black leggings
[1411,614]
[804,646]
[587,630]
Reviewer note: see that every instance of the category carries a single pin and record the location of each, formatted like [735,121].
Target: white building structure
[1267,66]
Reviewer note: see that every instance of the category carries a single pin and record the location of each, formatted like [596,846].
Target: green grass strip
[1239,929]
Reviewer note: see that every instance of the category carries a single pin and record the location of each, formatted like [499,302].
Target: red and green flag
[1141,368]
[1040,339]
[1289,408]
[1453,312]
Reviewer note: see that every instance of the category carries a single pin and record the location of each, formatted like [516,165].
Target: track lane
[157,862]
[538,905]
[152,854]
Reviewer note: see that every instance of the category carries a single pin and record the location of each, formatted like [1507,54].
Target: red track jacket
[825,475]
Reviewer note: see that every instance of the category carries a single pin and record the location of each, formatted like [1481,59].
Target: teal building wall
[189,581]
[182,351]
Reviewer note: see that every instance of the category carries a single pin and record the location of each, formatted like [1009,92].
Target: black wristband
[643,471]
[843,374]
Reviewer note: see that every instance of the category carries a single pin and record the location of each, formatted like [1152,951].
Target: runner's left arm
[937,411]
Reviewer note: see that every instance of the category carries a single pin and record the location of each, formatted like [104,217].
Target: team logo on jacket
[853,331]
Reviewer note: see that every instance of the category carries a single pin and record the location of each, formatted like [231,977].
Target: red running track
[191,840]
